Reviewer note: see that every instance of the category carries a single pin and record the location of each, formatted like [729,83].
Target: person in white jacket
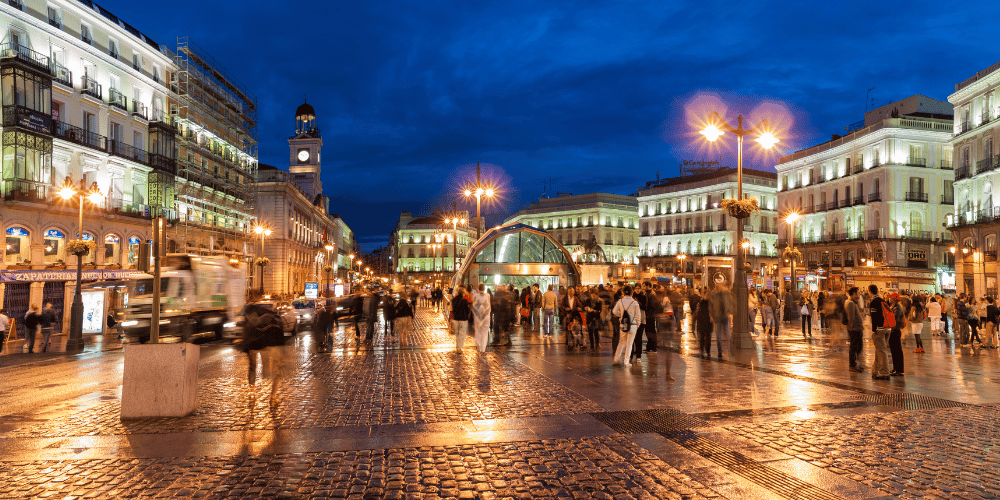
[626,305]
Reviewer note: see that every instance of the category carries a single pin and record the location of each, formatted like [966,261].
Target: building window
[85,34]
[55,17]
[113,48]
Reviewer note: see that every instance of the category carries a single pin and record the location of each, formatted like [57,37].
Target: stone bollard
[160,380]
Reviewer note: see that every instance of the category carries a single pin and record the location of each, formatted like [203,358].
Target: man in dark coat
[263,336]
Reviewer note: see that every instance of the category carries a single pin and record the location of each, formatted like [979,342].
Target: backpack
[888,317]
[626,321]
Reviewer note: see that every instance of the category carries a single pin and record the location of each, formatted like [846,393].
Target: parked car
[284,310]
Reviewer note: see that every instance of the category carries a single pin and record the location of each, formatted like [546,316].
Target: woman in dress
[481,314]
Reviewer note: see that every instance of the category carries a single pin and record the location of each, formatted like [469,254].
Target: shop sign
[65,275]
[916,254]
[54,234]
[17,231]
[312,290]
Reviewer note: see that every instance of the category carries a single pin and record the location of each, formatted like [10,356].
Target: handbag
[524,312]
[804,310]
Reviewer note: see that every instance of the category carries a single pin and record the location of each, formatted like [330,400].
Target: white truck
[198,294]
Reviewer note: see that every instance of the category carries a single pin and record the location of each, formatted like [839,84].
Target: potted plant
[740,209]
[792,254]
[80,247]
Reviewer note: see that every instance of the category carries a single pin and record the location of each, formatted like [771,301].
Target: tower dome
[305,120]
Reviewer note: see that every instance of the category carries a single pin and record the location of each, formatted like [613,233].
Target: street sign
[312,290]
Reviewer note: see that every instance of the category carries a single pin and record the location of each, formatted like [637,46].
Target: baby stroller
[574,331]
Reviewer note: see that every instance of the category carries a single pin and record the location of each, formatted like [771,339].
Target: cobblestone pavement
[536,420]
[600,467]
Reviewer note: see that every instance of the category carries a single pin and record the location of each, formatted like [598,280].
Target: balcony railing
[80,136]
[963,172]
[919,235]
[20,116]
[946,165]
[163,163]
[858,169]
[985,165]
[139,109]
[90,87]
[117,99]
[61,74]
[874,197]
[963,127]
[121,149]
[858,200]
[917,162]
[24,190]
[947,199]
[832,205]
[916,196]
[24,54]
[985,117]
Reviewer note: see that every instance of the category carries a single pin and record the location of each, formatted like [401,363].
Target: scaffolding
[216,120]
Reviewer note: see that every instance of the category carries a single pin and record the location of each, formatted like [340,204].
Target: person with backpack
[627,312]
[263,336]
[882,320]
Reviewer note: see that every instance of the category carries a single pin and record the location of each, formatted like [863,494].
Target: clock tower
[304,151]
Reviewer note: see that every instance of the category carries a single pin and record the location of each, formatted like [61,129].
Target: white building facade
[611,220]
[425,250]
[977,222]
[874,203]
[89,98]
[680,216]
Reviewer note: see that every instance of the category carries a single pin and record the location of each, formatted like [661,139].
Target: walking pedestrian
[895,336]
[32,322]
[880,333]
[934,313]
[48,321]
[973,320]
[654,309]
[403,318]
[916,320]
[324,322]
[722,307]
[4,325]
[806,312]
[461,312]
[992,318]
[481,309]
[960,320]
[703,323]
[263,338]
[593,307]
[549,302]
[855,325]
[627,311]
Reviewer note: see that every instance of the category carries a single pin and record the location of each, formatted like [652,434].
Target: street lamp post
[766,140]
[479,189]
[682,257]
[93,194]
[454,221]
[791,218]
[329,248]
[262,231]
[350,272]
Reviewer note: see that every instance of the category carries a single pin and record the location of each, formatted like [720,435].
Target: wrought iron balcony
[946,165]
[858,200]
[24,190]
[24,54]
[917,162]
[963,127]
[139,109]
[948,199]
[832,205]
[919,235]
[963,172]
[61,74]
[858,169]
[163,163]
[123,150]
[984,165]
[916,196]
[874,197]
[80,136]
[90,87]
[117,99]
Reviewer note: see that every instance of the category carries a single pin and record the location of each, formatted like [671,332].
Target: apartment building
[875,202]
[684,233]
[425,248]
[90,100]
[977,222]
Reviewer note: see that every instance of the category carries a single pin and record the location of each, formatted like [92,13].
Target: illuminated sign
[55,234]
[87,237]
[17,231]
[312,290]
[134,240]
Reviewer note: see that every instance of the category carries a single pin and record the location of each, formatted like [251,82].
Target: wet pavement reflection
[370,418]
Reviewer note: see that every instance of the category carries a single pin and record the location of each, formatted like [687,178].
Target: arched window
[18,245]
[55,246]
[89,258]
[112,250]
[659,248]
[133,251]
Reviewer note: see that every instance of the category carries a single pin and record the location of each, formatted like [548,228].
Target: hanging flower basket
[792,254]
[740,209]
[328,269]
[263,261]
[80,247]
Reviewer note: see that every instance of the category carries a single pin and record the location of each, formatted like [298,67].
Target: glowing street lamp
[715,129]
[329,248]
[454,221]
[479,190]
[790,219]
[94,196]
[263,232]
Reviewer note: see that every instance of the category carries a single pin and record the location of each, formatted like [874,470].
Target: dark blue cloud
[565,96]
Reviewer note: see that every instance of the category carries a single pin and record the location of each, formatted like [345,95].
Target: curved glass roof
[517,243]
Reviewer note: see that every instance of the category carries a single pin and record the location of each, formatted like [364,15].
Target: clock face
[304,155]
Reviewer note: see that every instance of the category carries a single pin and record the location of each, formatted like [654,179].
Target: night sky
[559,96]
